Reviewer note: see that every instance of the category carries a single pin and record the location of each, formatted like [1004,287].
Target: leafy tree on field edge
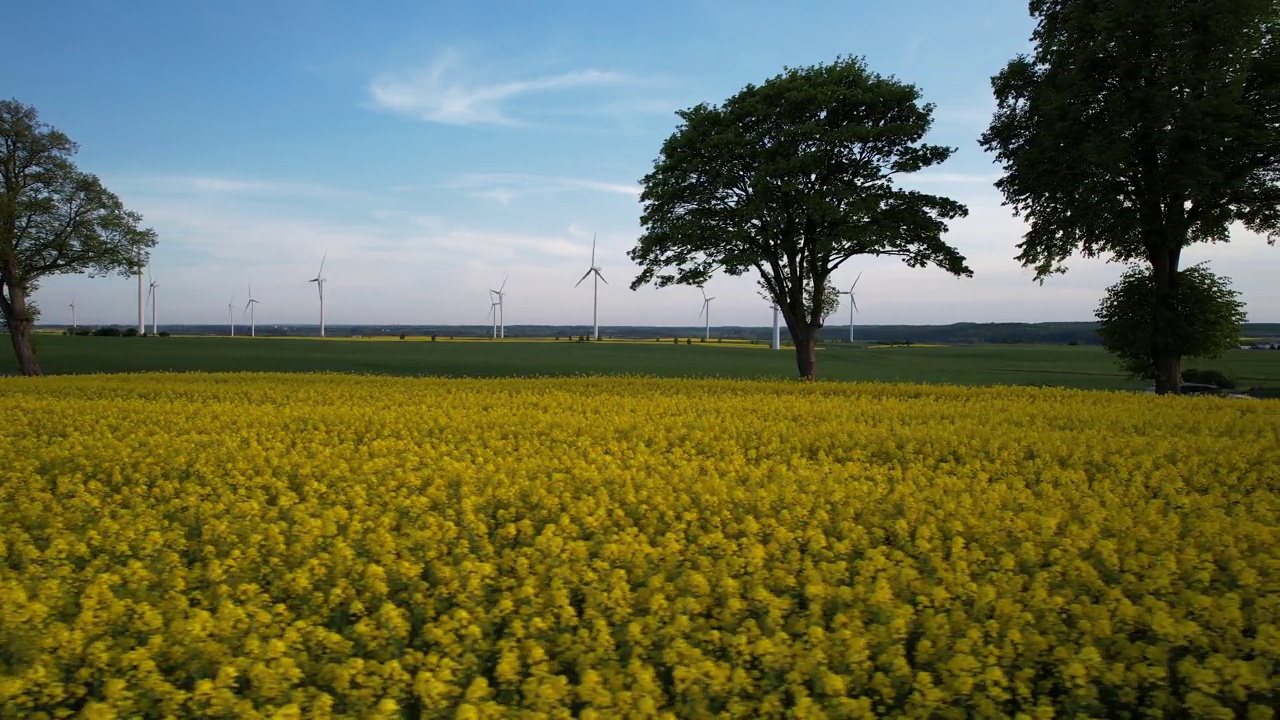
[1203,321]
[54,219]
[791,179]
[1137,128]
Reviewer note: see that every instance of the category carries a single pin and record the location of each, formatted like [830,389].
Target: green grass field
[1059,365]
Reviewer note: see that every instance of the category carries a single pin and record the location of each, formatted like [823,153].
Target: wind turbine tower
[151,294]
[231,314]
[777,331]
[319,280]
[142,325]
[706,310]
[501,294]
[73,313]
[595,289]
[493,313]
[248,307]
[853,304]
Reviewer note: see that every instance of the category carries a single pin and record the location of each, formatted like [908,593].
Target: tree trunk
[19,321]
[1168,372]
[804,335]
[806,341]
[1166,359]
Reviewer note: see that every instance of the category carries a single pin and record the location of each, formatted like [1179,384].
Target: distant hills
[1081,333]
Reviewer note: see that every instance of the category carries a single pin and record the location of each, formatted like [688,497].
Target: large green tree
[54,219]
[791,179]
[1205,319]
[1137,128]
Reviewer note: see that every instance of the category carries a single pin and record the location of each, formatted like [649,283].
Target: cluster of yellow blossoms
[319,546]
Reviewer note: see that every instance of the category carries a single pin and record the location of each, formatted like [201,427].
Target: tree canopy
[1206,321]
[1140,124]
[54,219]
[791,179]
[1138,127]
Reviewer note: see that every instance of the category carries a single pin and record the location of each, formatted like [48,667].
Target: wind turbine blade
[503,286]
[855,303]
[585,275]
[855,282]
[703,310]
[246,307]
[593,249]
[322,259]
[703,291]
[606,282]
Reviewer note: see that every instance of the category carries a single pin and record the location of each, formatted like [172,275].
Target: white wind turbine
[493,313]
[142,325]
[73,312]
[502,318]
[706,310]
[853,304]
[777,331]
[319,280]
[151,295]
[248,307]
[595,290]
[231,313]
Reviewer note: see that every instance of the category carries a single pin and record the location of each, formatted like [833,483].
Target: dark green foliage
[790,180]
[1138,127]
[130,332]
[1204,321]
[1140,122]
[111,331]
[1209,377]
[54,219]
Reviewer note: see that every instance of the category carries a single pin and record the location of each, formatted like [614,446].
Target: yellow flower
[338,546]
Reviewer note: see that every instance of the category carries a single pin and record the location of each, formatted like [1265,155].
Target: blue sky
[432,149]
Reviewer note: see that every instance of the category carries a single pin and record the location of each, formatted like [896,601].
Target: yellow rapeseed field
[315,546]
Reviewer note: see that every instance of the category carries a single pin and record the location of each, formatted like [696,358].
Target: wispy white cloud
[389,261]
[223,187]
[443,93]
[385,261]
[504,188]
[913,49]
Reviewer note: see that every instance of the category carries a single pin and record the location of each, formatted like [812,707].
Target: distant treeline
[1080,333]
